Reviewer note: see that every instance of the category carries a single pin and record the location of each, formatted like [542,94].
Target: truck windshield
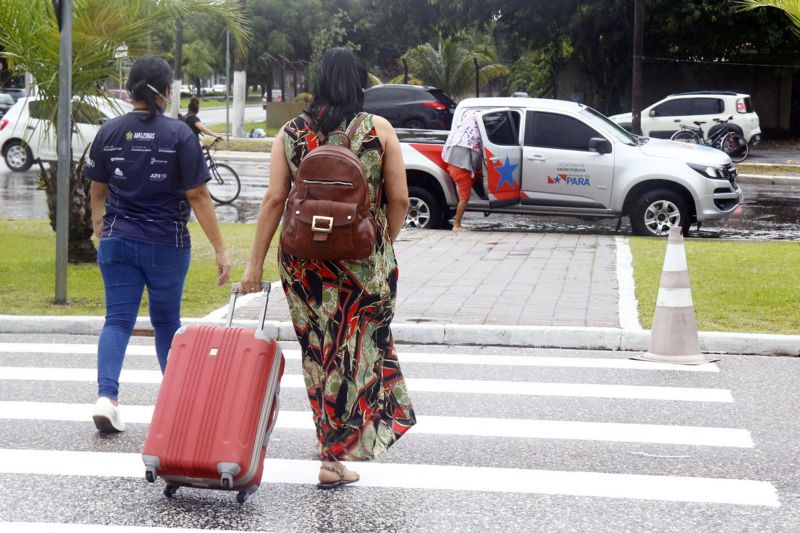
[608,126]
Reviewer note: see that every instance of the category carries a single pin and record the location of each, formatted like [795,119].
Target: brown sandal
[340,471]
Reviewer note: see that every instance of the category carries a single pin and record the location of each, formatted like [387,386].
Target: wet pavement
[770,212]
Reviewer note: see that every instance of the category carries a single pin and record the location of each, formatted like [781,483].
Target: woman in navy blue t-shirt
[148,174]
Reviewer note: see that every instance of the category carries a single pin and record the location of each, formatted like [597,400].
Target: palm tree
[450,66]
[30,38]
[231,14]
[790,7]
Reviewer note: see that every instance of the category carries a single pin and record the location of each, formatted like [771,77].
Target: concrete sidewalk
[488,278]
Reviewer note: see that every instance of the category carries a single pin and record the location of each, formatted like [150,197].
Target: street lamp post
[64,145]
[636,88]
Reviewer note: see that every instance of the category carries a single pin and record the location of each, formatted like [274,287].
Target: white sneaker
[106,416]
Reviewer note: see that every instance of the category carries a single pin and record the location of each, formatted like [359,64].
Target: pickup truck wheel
[423,209]
[657,211]
[18,156]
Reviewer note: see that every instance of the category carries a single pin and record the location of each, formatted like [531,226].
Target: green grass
[772,170]
[211,102]
[245,145]
[751,287]
[27,277]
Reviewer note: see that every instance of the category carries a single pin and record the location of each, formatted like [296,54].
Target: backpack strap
[351,131]
[322,138]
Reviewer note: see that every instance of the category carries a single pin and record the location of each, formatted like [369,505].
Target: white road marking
[458,386]
[439,425]
[429,477]
[405,357]
[626,303]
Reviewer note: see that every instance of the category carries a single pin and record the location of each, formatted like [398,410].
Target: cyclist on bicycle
[194,122]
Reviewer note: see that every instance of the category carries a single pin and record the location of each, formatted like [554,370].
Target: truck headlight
[708,171]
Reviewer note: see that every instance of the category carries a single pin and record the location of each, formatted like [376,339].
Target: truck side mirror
[653,113]
[599,145]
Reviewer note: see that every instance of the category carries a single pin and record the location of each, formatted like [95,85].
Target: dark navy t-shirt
[148,164]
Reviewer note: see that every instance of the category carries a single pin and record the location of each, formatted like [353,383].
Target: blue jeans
[127,268]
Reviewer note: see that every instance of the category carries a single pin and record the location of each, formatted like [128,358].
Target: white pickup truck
[553,157]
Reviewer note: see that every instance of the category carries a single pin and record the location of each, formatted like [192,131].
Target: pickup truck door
[502,156]
[559,169]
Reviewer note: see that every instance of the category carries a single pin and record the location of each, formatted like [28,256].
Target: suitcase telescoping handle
[265,287]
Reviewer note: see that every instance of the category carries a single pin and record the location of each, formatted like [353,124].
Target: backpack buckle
[328,221]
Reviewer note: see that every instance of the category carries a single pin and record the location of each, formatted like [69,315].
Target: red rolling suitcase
[216,407]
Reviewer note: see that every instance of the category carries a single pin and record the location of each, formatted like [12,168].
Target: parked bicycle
[225,185]
[721,137]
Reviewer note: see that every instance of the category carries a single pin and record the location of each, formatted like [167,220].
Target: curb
[772,179]
[614,339]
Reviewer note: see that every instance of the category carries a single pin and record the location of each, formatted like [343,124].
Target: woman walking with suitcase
[342,309]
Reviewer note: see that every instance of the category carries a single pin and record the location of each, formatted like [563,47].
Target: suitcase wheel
[170,490]
[242,495]
[150,475]
[226,480]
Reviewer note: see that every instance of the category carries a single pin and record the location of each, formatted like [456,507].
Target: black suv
[411,106]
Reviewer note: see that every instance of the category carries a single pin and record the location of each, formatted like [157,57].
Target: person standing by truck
[463,154]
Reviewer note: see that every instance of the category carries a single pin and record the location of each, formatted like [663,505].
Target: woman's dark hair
[152,71]
[194,105]
[338,91]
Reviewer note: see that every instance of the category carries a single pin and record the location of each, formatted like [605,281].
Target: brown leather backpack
[328,212]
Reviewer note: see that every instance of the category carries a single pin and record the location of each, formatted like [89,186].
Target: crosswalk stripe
[440,425]
[51,527]
[430,477]
[456,386]
[408,357]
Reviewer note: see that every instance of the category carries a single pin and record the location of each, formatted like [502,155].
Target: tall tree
[226,11]
[450,66]
[239,83]
[30,37]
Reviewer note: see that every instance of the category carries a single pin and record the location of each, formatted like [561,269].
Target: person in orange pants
[463,180]
[462,153]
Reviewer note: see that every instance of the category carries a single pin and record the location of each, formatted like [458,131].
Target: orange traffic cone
[673,337]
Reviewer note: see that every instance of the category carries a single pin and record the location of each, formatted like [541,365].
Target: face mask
[164,99]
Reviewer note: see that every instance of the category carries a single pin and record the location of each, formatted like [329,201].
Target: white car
[26,136]
[666,116]
[553,157]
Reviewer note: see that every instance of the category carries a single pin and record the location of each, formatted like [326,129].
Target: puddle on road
[770,212]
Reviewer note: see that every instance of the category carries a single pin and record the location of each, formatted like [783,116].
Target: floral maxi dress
[341,312]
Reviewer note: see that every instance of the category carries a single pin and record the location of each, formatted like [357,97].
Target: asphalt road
[507,440]
[770,212]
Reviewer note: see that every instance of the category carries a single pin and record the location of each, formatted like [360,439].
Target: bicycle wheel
[735,146]
[686,136]
[224,185]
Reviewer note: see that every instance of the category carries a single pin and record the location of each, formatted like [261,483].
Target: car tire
[415,124]
[18,156]
[423,209]
[657,211]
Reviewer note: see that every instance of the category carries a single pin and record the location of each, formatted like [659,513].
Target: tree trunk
[177,69]
[80,249]
[239,84]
